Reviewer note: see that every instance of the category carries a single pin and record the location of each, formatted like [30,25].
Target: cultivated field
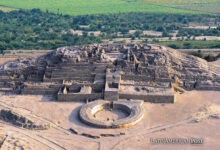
[75,7]
[204,6]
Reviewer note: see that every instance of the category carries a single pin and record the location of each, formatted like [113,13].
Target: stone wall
[37,91]
[78,96]
[150,98]
[144,78]
[112,86]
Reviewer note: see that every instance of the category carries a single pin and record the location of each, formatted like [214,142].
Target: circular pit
[112,114]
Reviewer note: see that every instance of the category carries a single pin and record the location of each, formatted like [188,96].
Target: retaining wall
[78,96]
[150,98]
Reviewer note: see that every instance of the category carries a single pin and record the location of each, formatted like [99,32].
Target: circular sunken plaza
[113,114]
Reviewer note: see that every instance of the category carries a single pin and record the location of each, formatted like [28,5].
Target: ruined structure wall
[88,79]
[208,88]
[111,95]
[150,98]
[94,86]
[75,97]
[144,78]
[42,91]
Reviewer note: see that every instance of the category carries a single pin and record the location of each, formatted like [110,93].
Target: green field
[204,6]
[83,7]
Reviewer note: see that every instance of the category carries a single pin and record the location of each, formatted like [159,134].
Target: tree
[161,29]
[165,34]
[174,46]
[2,47]
[194,38]
[145,41]
[137,34]
[210,58]
[133,38]
[187,45]
[85,34]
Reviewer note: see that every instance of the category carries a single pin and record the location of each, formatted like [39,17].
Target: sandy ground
[110,115]
[189,116]
[216,63]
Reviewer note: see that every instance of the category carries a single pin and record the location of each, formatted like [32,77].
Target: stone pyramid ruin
[109,72]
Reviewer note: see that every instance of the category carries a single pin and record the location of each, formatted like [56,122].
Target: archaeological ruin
[112,76]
